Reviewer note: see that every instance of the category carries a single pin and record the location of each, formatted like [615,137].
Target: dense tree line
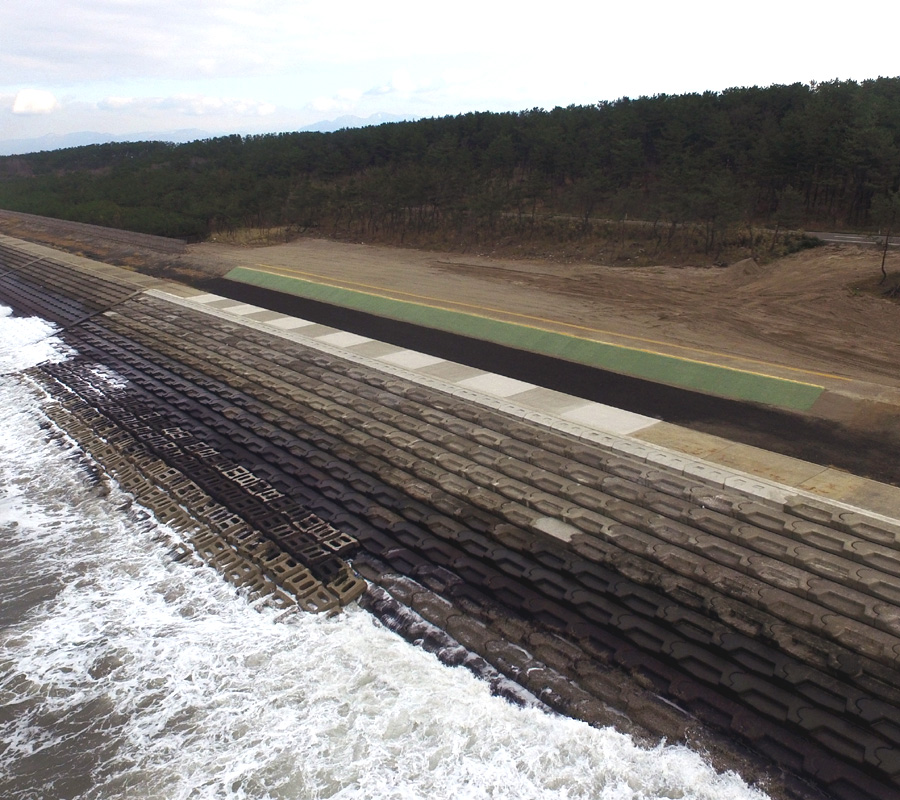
[782,157]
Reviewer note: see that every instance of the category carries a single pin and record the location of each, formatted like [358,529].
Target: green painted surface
[685,373]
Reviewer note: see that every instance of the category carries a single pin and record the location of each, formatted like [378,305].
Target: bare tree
[884,212]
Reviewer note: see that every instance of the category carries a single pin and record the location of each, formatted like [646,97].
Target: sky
[123,67]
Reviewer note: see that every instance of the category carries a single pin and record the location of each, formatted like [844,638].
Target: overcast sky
[247,66]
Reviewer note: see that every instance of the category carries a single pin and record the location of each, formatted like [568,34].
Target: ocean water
[124,675]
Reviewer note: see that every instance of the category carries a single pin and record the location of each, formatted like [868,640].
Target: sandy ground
[797,313]
[797,317]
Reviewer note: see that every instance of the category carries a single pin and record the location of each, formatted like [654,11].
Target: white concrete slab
[410,359]
[205,298]
[242,309]
[496,385]
[289,323]
[557,528]
[343,339]
[607,418]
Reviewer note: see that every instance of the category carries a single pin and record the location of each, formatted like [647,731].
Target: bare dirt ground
[798,317]
[799,312]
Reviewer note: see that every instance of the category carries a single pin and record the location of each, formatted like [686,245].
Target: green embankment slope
[698,376]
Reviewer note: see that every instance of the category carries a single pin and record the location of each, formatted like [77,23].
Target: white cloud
[343,100]
[115,103]
[401,83]
[191,105]
[34,101]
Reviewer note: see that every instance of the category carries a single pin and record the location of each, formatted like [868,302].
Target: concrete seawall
[613,581]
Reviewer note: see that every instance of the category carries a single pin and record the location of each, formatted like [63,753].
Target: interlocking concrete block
[885,559]
[621,467]
[763,516]
[824,538]
[887,617]
[517,449]
[487,437]
[868,528]
[520,515]
[488,500]
[484,476]
[627,513]
[843,600]
[550,462]
[512,563]
[549,582]
[783,576]
[770,544]
[756,488]
[706,472]
[666,505]
[551,482]
[725,553]
[589,521]
[624,489]
[632,540]
[582,452]
[589,498]
[714,523]
[791,608]
[564,426]
[671,462]
[743,588]
[865,640]
[516,469]
[606,440]
[673,532]
[645,635]
[671,483]
[594,549]
[548,504]
[828,565]
[683,563]
[583,474]
[517,539]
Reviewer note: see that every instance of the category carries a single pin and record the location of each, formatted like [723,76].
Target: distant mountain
[329,126]
[53,141]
